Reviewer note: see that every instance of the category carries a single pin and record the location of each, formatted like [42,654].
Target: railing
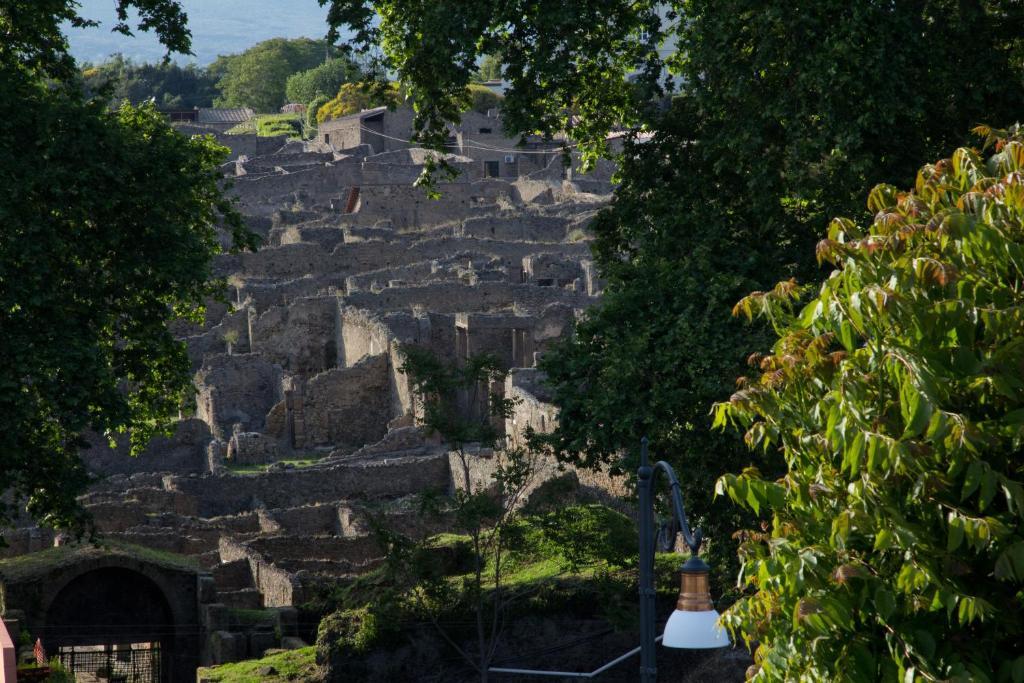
[114,662]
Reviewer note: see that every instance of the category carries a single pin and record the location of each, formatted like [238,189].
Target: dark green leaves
[110,221]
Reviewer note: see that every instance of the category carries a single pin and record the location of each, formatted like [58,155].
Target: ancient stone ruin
[303,425]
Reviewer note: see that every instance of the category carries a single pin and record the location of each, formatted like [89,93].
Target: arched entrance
[113,623]
[117,604]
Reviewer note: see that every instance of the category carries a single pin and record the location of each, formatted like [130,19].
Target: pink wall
[8,672]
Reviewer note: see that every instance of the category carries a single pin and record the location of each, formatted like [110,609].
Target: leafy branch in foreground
[896,542]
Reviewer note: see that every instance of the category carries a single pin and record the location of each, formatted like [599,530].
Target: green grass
[259,469]
[295,666]
[270,125]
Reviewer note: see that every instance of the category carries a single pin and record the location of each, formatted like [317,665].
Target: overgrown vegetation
[593,575]
[322,80]
[293,666]
[257,78]
[169,85]
[352,98]
[895,546]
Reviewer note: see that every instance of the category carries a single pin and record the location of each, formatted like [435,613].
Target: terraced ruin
[304,425]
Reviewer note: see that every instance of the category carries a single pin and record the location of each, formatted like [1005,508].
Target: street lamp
[694,623]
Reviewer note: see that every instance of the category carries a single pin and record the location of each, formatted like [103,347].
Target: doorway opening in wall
[113,662]
[492,169]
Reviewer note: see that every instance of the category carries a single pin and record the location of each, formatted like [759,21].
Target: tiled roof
[240,115]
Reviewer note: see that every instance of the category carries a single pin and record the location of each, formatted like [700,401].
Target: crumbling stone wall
[300,337]
[349,407]
[236,389]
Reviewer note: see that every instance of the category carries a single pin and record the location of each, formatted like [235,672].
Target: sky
[218,27]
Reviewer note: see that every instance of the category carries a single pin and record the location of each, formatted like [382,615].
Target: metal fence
[113,662]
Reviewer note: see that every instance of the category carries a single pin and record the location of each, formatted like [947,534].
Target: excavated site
[304,427]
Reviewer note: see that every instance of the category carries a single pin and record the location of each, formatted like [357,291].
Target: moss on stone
[25,566]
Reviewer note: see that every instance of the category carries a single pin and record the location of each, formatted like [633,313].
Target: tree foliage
[257,78]
[322,80]
[34,36]
[781,113]
[352,98]
[110,220]
[489,69]
[894,395]
[458,404]
[169,85]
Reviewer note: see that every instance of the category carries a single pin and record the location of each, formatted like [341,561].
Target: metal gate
[113,662]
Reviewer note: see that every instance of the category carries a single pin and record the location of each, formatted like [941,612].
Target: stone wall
[182,453]
[300,337]
[349,407]
[231,494]
[236,389]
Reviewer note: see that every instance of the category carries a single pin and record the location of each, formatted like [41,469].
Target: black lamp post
[694,623]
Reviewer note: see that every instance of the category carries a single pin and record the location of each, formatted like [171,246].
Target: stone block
[261,641]
[226,646]
[215,616]
[288,622]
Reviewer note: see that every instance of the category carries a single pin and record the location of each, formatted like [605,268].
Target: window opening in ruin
[492,169]
[327,138]
[485,131]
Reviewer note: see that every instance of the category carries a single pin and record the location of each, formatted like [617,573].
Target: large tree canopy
[108,222]
[783,112]
[258,77]
[322,80]
[169,85]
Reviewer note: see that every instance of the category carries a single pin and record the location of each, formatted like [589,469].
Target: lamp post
[694,623]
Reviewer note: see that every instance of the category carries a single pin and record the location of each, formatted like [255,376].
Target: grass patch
[294,666]
[270,125]
[260,469]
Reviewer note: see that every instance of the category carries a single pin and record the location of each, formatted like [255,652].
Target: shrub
[895,547]
[355,97]
[311,111]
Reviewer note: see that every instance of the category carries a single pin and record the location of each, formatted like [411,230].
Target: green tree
[90,203]
[169,85]
[322,80]
[489,70]
[257,78]
[782,112]
[458,405]
[355,97]
[895,547]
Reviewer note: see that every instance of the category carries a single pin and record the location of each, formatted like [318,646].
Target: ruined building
[303,422]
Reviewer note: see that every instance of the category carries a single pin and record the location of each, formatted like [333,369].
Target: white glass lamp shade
[694,630]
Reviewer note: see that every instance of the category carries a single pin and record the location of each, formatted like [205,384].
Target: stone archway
[106,599]
[113,618]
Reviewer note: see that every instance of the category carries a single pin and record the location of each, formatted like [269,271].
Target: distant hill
[218,27]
